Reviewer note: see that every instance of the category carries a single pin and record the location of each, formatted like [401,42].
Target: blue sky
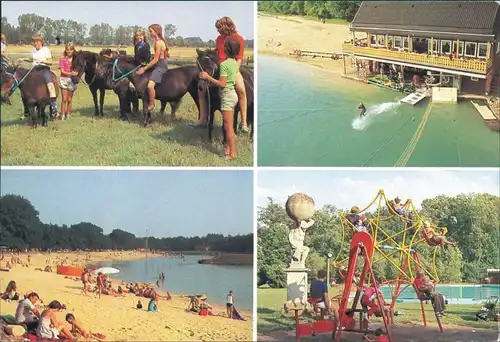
[192,18]
[168,203]
[358,187]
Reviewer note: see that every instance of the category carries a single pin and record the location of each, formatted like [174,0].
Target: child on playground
[66,83]
[229,70]
[379,336]
[398,207]
[370,304]
[435,239]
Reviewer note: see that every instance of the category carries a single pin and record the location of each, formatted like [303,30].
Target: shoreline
[117,317]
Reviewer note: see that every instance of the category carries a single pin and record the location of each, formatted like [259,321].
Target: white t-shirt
[229,299]
[24,311]
[40,56]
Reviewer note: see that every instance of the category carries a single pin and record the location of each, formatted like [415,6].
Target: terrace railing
[475,66]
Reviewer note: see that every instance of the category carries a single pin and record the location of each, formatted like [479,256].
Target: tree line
[340,9]
[472,221]
[343,9]
[62,31]
[21,228]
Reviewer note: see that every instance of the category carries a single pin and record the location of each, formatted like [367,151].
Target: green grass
[270,315]
[86,140]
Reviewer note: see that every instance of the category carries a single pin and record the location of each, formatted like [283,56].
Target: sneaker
[244,128]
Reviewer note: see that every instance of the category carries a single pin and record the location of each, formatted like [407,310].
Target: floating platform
[489,118]
[414,98]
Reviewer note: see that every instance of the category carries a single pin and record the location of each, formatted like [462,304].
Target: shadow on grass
[273,320]
[181,132]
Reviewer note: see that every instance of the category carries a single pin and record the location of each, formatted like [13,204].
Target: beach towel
[9,319]
[236,315]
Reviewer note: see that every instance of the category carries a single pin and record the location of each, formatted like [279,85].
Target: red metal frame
[360,242]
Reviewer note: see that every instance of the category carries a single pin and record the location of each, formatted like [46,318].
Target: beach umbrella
[107,270]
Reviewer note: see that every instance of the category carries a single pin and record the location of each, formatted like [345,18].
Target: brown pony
[34,92]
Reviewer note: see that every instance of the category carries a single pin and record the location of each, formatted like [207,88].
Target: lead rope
[208,91]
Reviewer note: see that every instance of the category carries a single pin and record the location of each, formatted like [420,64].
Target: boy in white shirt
[42,60]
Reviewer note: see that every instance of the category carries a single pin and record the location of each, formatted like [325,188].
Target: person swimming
[363,109]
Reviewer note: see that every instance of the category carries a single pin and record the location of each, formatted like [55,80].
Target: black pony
[87,62]
[175,83]
[33,88]
[208,61]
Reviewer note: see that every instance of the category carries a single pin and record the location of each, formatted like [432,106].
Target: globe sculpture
[300,207]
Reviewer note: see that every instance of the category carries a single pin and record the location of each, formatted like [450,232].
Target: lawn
[270,315]
[86,140]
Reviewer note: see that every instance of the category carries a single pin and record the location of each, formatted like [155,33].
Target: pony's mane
[211,53]
[127,59]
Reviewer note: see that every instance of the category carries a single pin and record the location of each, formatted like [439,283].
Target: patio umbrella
[107,270]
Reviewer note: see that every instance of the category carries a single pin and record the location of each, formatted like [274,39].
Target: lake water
[309,117]
[189,277]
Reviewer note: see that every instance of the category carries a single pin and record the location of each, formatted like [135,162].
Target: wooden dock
[314,54]
[489,118]
[414,98]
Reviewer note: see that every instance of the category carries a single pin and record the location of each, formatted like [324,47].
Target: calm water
[456,294]
[189,277]
[308,117]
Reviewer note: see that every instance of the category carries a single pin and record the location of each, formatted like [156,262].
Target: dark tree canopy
[21,228]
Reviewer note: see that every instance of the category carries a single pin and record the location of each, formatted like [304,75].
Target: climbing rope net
[397,248]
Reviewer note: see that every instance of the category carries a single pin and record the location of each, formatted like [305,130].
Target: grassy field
[85,140]
[270,315]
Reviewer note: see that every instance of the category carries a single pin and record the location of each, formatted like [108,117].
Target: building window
[460,48]
[373,41]
[435,48]
[380,40]
[398,44]
[470,49]
[482,50]
[446,47]
[405,43]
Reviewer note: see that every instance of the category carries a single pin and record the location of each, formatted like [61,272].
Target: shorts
[46,73]
[67,83]
[321,305]
[229,305]
[160,69]
[228,99]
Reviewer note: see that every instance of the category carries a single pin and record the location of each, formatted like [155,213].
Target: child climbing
[370,304]
[398,207]
[433,238]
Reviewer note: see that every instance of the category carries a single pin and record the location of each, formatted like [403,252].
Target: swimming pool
[455,294]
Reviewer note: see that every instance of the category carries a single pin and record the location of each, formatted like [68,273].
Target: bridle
[212,74]
[123,75]
[17,83]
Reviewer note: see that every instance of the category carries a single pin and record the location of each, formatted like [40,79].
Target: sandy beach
[116,317]
[279,35]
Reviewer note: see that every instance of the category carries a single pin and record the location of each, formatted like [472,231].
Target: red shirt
[418,282]
[219,45]
[381,338]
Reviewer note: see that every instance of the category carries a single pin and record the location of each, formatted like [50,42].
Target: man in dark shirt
[319,290]
[363,109]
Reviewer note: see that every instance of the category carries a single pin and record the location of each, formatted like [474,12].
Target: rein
[17,83]
[123,75]
[208,87]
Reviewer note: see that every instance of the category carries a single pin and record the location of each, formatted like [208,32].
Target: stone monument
[300,208]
